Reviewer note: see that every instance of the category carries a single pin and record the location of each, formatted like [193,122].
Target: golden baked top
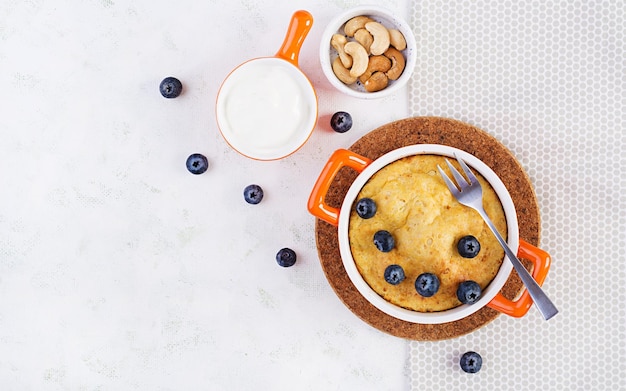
[426,223]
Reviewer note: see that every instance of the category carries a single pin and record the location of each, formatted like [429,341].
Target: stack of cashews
[372,55]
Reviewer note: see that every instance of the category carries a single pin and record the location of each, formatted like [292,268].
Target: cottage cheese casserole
[413,204]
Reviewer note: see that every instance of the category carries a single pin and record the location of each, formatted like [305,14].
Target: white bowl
[389,20]
[378,301]
[255,98]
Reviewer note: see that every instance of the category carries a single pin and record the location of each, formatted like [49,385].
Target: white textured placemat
[548,81]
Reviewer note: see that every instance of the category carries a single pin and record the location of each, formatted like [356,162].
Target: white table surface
[119,270]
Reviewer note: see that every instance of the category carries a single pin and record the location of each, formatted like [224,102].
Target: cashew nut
[360,58]
[364,37]
[397,63]
[358,22]
[377,82]
[381,37]
[338,41]
[342,72]
[396,39]
[376,64]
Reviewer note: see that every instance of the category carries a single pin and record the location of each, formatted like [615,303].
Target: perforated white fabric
[547,79]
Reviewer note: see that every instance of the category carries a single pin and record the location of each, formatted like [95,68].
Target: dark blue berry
[468,246]
[366,208]
[197,163]
[468,292]
[253,194]
[427,284]
[341,122]
[170,87]
[394,274]
[384,241]
[286,257]
[471,362]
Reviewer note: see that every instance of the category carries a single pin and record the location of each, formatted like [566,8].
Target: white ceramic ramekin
[340,217]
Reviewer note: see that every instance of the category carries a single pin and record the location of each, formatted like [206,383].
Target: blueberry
[253,194]
[286,257]
[394,274]
[366,208]
[341,122]
[468,292]
[197,163]
[384,241]
[427,284]
[170,87]
[471,362]
[468,246]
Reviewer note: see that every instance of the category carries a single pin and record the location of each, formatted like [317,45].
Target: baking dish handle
[317,201]
[541,264]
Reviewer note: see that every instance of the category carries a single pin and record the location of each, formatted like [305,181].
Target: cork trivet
[427,130]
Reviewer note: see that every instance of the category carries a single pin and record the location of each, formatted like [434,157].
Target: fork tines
[466,169]
[461,182]
[451,186]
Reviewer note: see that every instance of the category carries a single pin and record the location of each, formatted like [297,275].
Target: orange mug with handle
[266,108]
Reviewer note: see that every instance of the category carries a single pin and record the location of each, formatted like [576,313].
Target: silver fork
[470,193]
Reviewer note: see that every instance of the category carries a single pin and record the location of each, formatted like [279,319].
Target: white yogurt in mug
[266,108]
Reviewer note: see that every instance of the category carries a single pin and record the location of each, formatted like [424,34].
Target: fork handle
[541,300]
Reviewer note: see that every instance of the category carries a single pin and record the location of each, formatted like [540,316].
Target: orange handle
[317,203]
[299,26]
[541,264]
